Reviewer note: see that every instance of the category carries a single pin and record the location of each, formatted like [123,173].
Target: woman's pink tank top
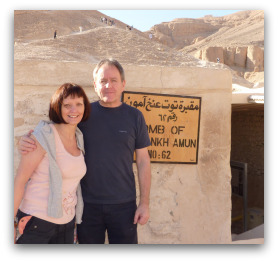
[35,199]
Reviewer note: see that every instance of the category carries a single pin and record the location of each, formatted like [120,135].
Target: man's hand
[142,214]
[26,144]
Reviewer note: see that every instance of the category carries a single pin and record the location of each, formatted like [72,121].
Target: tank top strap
[58,141]
[59,144]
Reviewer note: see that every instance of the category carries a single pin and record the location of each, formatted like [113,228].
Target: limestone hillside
[82,36]
[237,40]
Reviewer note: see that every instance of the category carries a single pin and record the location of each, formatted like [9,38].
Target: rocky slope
[34,39]
[82,36]
[235,40]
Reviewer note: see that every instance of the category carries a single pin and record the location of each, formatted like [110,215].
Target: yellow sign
[173,125]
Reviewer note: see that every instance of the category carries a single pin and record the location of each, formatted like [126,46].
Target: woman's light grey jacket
[45,136]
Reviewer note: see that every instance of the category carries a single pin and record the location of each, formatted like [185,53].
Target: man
[112,134]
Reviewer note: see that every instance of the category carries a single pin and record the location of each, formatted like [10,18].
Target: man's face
[109,86]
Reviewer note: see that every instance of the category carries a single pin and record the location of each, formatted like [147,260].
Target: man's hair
[65,90]
[111,62]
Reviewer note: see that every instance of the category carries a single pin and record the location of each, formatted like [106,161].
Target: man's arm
[142,213]
[26,144]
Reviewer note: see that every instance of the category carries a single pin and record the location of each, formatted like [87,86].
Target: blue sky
[143,20]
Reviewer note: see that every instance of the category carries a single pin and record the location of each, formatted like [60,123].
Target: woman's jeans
[38,231]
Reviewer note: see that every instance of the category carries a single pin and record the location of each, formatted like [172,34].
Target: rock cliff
[235,40]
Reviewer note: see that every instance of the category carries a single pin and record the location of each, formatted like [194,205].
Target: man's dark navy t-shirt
[111,136]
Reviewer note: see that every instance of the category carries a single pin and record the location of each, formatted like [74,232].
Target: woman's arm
[28,163]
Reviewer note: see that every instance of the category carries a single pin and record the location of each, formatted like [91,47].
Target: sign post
[173,124]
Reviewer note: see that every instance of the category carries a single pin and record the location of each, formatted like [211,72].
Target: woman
[47,207]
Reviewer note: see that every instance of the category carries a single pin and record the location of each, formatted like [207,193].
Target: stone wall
[251,58]
[189,204]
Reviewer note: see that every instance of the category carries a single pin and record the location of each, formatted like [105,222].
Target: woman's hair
[67,89]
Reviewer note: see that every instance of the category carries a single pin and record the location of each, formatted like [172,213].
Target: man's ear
[124,82]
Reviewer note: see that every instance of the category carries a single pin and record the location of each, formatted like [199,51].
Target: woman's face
[72,109]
